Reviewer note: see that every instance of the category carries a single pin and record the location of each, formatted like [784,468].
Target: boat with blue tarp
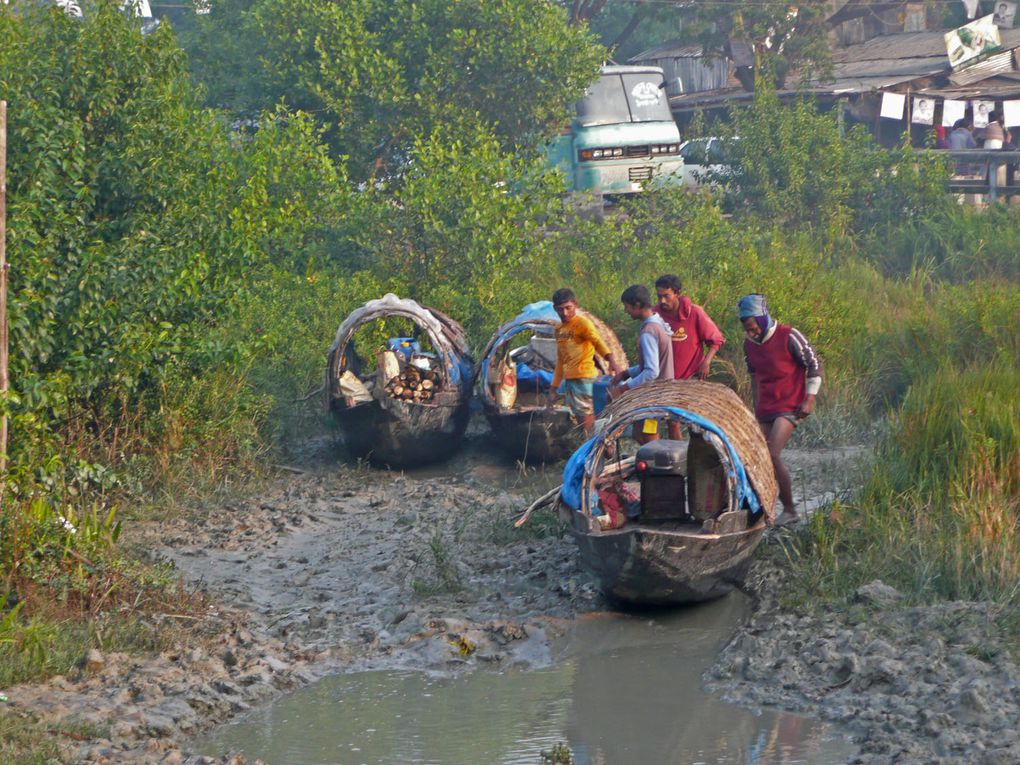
[679,521]
[408,403]
[513,381]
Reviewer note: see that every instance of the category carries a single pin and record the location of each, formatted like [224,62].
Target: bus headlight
[607,152]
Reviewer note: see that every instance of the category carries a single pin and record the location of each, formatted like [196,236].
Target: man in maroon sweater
[786,373]
[691,332]
[691,329]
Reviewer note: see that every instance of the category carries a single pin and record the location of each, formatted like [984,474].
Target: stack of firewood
[413,384]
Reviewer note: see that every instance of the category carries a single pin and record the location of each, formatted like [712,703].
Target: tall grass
[938,516]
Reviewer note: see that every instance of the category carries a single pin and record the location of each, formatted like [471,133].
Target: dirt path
[342,568]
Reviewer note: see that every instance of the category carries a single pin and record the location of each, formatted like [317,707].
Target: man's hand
[806,407]
[615,391]
[614,368]
[705,368]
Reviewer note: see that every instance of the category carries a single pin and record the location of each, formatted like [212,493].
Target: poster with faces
[981,110]
[923,111]
[1005,14]
[953,111]
[892,105]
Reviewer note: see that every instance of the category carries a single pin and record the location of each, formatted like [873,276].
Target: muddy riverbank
[337,569]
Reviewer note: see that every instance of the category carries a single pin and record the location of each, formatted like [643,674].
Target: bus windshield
[619,98]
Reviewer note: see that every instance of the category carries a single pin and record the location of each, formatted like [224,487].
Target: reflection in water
[625,691]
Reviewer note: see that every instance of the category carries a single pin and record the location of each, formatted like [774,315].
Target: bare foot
[787,518]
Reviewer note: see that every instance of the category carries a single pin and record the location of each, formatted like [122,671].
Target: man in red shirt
[786,373]
[691,332]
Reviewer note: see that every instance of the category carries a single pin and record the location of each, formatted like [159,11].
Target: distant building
[686,68]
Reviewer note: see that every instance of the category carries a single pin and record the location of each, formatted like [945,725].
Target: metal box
[662,467]
[663,457]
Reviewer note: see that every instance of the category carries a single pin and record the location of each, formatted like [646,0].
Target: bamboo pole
[3,297]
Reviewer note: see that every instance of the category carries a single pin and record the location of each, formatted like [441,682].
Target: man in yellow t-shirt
[577,342]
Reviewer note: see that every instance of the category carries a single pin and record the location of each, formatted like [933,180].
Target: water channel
[623,689]
[618,689]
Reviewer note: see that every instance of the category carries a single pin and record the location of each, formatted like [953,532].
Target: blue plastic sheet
[573,472]
[536,379]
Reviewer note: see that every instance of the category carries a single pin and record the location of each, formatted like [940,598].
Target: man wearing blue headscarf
[786,373]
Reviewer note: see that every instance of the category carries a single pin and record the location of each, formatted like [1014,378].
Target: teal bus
[622,135]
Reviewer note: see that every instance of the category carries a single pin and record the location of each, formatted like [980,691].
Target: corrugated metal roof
[671,49]
[895,59]
[1000,63]
[891,60]
[909,45]
[1002,86]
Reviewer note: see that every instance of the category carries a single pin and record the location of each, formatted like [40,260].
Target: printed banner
[923,111]
[972,41]
[981,110]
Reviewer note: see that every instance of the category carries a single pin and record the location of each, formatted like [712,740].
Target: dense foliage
[383,74]
[795,167]
[134,216]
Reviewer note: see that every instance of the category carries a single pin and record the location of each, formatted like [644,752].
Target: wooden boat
[703,549]
[376,420]
[527,427]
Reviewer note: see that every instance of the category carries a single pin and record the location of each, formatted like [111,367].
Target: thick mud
[338,568]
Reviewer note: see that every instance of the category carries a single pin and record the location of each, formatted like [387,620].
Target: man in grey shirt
[654,353]
[655,347]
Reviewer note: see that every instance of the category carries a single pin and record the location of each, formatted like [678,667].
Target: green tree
[134,217]
[381,74]
[794,168]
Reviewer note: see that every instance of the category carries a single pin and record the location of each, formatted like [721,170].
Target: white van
[706,161]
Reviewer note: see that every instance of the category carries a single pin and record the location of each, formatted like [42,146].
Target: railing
[986,181]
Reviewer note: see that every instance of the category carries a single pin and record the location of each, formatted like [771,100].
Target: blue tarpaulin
[538,379]
[573,472]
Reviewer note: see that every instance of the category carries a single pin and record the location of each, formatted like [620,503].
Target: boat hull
[643,565]
[535,436]
[390,437]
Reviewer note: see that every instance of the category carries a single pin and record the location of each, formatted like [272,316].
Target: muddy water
[620,690]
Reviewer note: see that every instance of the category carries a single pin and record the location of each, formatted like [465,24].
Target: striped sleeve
[805,355]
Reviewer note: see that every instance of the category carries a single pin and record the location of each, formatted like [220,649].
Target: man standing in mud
[786,373]
[577,342]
